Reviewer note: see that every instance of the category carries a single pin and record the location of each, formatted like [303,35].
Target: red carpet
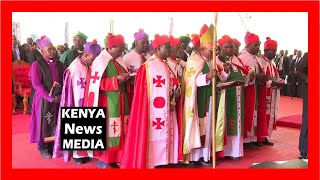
[25,155]
[290,112]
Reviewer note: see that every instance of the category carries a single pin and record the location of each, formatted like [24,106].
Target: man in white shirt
[293,56]
[18,53]
[282,63]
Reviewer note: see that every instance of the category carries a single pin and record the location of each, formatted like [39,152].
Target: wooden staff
[55,84]
[213,122]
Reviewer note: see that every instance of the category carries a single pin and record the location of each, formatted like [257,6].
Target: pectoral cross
[132,69]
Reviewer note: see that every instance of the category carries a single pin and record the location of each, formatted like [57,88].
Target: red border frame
[312,7]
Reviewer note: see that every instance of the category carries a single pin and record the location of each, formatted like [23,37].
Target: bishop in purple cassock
[43,74]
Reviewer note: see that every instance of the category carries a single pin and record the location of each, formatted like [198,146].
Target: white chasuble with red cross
[98,67]
[162,145]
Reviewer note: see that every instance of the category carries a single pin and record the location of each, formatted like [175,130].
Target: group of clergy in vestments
[160,97]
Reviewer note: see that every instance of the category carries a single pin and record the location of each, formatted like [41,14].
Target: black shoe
[221,159]
[78,160]
[45,154]
[168,166]
[115,165]
[258,144]
[303,156]
[250,146]
[102,165]
[184,165]
[190,165]
[202,163]
[160,166]
[267,142]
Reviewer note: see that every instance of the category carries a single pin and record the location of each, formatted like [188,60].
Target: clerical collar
[173,58]
[265,58]
[83,62]
[48,60]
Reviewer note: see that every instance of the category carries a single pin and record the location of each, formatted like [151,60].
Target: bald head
[299,53]
[281,52]
[14,40]
[29,40]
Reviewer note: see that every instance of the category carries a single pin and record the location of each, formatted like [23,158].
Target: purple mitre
[43,41]
[140,35]
[92,48]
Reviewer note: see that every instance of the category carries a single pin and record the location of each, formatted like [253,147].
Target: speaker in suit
[283,67]
[293,77]
[302,74]
[293,56]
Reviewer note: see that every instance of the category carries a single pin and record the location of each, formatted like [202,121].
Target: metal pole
[66,32]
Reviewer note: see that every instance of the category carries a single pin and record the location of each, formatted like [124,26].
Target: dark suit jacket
[285,66]
[303,69]
[290,58]
[293,63]
[303,75]
[33,56]
[23,55]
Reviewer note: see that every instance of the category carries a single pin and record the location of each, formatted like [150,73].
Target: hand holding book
[276,82]
[229,84]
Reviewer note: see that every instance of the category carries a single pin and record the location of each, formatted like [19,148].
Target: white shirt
[17,52]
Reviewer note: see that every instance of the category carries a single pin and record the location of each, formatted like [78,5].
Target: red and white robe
[154,132]
[268,99]
[250,110]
